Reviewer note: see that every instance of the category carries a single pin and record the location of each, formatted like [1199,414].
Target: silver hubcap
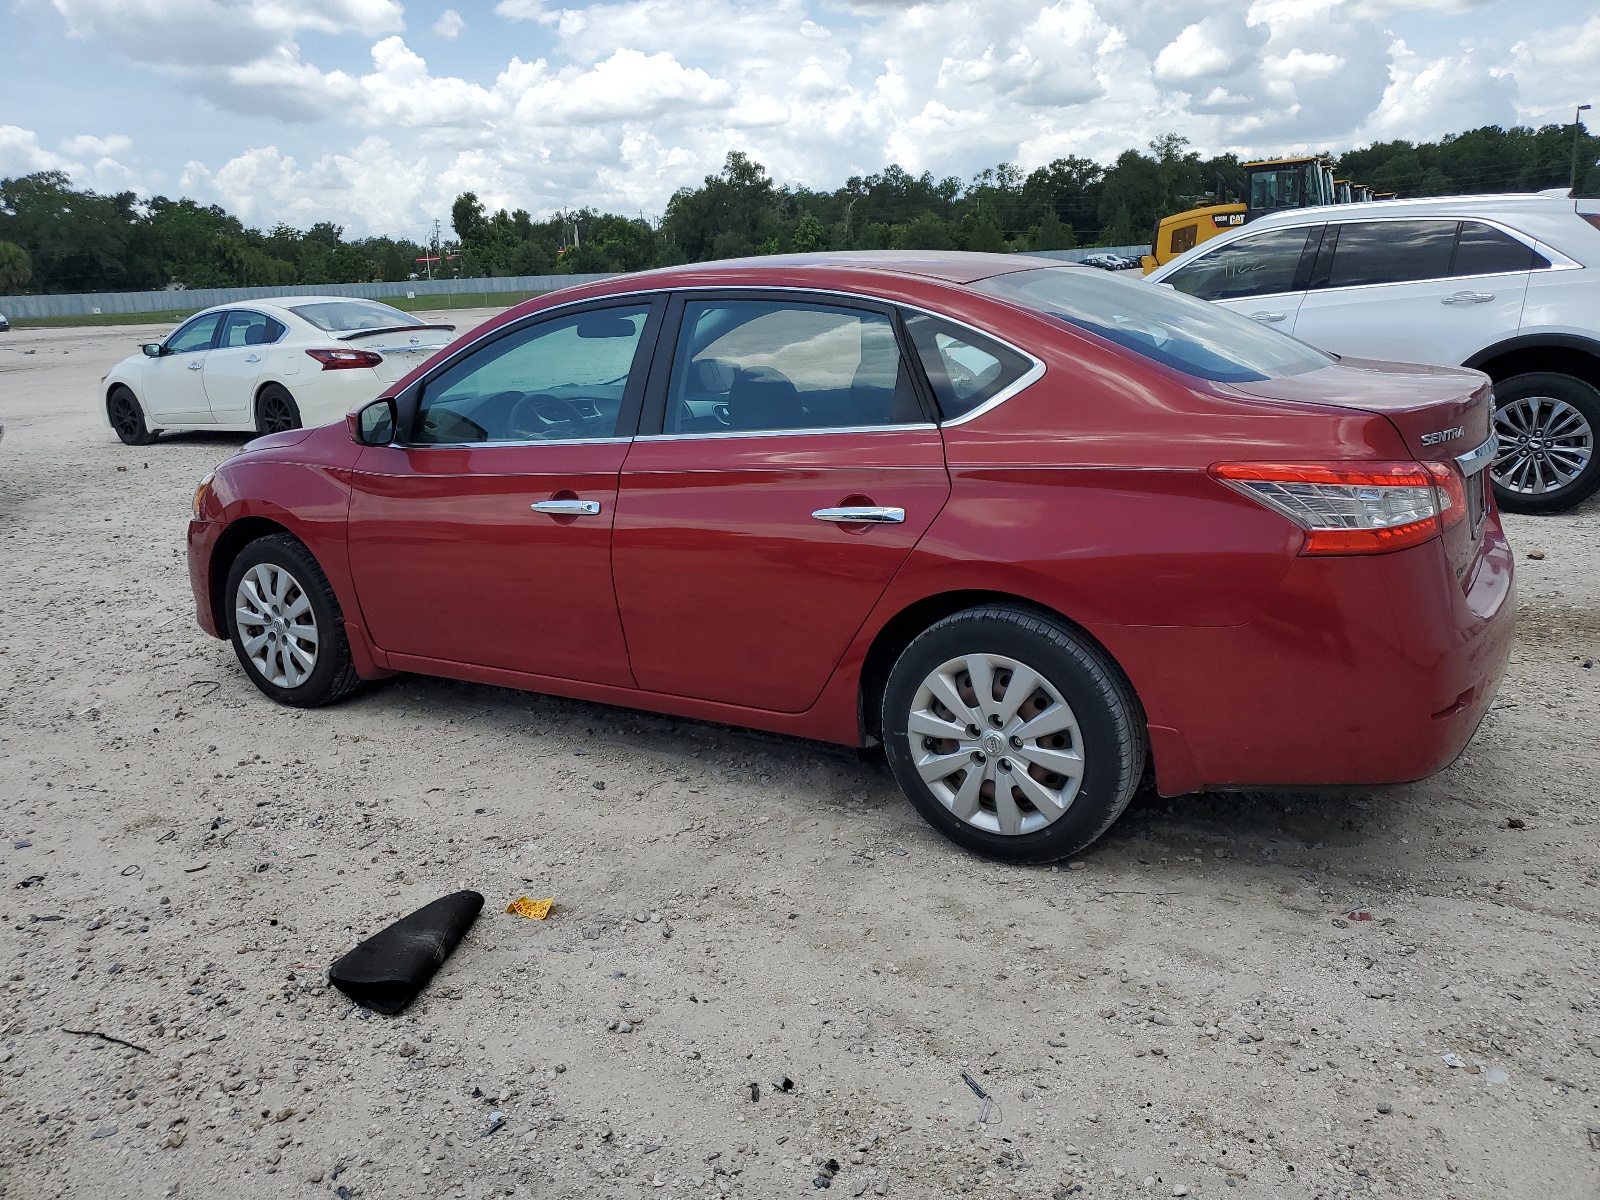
[276,625]
[1545,444]
[996,744]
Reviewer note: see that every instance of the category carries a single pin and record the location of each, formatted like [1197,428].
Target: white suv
[1507,284]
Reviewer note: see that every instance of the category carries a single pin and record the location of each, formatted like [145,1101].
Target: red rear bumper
[1364,670]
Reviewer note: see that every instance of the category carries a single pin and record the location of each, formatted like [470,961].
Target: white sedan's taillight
[346,360]
[1366,508]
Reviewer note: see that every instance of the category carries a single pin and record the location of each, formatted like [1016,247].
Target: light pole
[1577,129]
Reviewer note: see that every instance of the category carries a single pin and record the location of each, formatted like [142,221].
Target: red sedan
[1035,528]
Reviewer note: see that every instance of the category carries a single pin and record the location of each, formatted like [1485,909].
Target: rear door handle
[253,358]
[868,514]
[1269,318]
[196,366]
[1468,298]
[568,508]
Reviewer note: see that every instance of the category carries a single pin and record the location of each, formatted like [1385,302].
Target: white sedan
[264,366]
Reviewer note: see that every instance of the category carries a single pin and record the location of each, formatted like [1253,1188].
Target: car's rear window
[344,316]
[1177,331]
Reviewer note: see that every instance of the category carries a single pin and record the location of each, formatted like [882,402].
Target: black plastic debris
[385,972]
[784,1084]
[755,1091]
[825,1176]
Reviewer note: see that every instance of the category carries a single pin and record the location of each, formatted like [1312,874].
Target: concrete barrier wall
[87,304]
[188,300]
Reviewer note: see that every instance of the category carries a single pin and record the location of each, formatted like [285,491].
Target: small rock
[1077,866]
[1516,823]
[1160,1018]
[174,1139]
[1536,555]
[407,1049]
[1452,1060]
[1179,1189]
[1385,1107]
[104,1131]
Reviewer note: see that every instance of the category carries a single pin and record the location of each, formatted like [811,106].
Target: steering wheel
[541,415]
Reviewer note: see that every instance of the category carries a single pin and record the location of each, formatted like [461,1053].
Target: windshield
[1177,331]
[343,316]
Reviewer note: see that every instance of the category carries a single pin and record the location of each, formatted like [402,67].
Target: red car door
[791,468]
[485,537]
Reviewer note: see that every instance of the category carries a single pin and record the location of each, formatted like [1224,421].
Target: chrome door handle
[196,366]
[1269,318]
[1468,298]
[568,508]
[869,515]
[253,358]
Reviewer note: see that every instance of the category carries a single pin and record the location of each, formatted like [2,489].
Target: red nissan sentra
[1032,527]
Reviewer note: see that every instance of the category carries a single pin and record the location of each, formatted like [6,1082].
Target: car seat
[764,398]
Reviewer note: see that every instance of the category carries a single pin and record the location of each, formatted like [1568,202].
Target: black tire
[276,410]
[1109,733]
[127,418]
[1522,478]
[331,676]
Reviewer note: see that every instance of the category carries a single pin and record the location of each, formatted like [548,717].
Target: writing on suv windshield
[1177,331]
[343,316]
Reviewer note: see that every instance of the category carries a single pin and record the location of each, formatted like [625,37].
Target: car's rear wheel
[276,410]
[285,624]
[1548,425]
[127,418]
[1012,735]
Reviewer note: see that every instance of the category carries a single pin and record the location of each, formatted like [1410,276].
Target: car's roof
[1415,206]
[947,266]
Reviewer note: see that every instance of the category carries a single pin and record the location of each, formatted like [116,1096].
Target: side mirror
[375,424]
[152,349]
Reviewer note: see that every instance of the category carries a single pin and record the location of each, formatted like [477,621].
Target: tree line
[56,238]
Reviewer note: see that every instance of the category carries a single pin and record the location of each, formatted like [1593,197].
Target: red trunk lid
[1441,413]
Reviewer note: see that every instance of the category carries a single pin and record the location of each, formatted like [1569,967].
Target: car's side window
[965,368]
[245,328]
[558,380]
[196,335]
[1484,250]
[1370,252]
[1258,264]
[755,365]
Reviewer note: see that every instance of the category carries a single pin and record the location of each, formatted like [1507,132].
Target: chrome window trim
[922,426]
[485,445]
[1026,380]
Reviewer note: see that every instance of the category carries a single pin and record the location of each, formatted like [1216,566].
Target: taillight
[1370,508]
[345,360]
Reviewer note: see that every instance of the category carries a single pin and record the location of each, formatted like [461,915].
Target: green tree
[16,268]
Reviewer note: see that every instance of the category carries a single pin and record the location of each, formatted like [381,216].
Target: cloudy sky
[376,113]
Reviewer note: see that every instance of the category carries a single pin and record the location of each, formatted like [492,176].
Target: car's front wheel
[1013,735]
[285,624]
[276,410]
[127,418]
[1547,424]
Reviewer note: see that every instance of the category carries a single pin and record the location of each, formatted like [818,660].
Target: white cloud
[618,103]
[92,162]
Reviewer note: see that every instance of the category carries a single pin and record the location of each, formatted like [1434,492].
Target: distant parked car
[266,366]
[4,323]
[1028,525]
[1507,284]
[1111,262]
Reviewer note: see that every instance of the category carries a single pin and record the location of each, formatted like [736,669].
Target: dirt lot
[1184,1011]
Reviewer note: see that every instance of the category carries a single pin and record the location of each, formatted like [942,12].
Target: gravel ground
[1185,1011]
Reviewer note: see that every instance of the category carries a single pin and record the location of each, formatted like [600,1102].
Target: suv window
[557,380]
[965,368]
[1258,264]
[196,335]
[753,365]
[246,328]
[1176,331]
[1369,252]
[1484,250]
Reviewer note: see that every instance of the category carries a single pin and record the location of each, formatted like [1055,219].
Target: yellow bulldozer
[1270,185]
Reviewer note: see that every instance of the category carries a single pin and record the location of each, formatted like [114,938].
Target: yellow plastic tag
[536,910]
